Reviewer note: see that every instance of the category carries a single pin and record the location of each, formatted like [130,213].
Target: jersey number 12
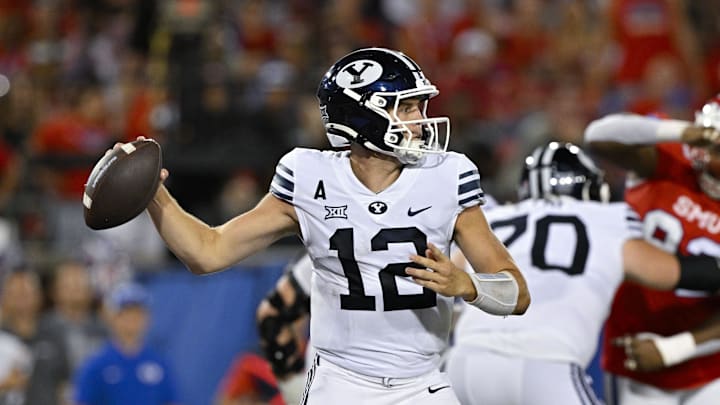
[343,242]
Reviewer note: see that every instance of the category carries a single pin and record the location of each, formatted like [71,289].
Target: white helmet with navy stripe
[558,169]
[359,97]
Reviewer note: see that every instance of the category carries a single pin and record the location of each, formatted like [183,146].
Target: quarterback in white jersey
[377,222]
[362,299]
[575,250]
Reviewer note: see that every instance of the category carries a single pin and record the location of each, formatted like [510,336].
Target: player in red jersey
[658,346]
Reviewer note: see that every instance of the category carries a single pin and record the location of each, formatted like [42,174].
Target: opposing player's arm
[628,139]
[487,255]
[205,249]
[651,352]
[609,137]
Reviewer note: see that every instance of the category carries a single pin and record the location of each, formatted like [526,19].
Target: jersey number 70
[542,230]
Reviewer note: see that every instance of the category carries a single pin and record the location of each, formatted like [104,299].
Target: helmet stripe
[546,169]
[533,174]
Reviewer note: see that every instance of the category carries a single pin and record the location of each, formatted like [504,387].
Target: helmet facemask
[407,145]
[708,116]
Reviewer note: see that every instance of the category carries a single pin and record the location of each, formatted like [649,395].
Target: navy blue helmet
[359,98]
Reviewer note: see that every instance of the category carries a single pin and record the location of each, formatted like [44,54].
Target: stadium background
[227,87]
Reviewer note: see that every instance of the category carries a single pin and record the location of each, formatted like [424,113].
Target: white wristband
[671,130]
[675,349]
[497,293]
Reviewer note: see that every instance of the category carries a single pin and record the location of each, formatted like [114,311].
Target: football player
[674,184]
[377,222]
[575,249]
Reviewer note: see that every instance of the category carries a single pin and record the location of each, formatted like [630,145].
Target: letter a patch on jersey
[320,191]
[336,212]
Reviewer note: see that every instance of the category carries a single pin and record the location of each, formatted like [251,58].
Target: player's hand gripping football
[441,275]
[163,172]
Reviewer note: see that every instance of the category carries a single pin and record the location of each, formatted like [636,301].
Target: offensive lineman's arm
[655,268]
[206,249]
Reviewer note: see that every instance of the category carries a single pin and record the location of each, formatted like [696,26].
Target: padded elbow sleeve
[497,293]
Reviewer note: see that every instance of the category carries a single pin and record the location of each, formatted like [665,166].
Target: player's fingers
[424,261]
[622,341]
[164,173]
[421,274]
[711,134]
[631,364]
[436,253]
[140,138]
[426,283]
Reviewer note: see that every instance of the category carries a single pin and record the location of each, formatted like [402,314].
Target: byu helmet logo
[359,73]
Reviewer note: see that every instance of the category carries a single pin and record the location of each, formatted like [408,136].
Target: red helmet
[709,114]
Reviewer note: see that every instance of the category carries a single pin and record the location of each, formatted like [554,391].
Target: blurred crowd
[228,86]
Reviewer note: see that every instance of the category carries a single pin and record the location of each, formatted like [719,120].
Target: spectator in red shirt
[250,381]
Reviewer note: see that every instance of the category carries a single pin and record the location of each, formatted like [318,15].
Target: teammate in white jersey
[377,221]
[574,249]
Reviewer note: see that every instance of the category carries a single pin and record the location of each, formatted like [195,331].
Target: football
[122,183]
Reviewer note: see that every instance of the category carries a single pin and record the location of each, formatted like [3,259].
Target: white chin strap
[409,151]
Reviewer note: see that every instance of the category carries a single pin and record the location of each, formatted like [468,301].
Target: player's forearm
[632,129]
[708,330]
[186,236]
[628,140]
[523,301]
[501,293]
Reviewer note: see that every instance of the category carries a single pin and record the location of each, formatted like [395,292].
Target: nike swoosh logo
[434,390]
[412,213]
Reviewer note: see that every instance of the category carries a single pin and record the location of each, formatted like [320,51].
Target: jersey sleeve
[633,223]
[469,191]
[283,183]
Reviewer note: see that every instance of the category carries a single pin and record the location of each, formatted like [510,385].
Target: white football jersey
[570,253]
[367,315]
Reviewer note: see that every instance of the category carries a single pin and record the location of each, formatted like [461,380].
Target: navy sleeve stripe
[285,168]
[469,199]
[468,173]
[279,180]
[633,219]
[469,186]
[281,195]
